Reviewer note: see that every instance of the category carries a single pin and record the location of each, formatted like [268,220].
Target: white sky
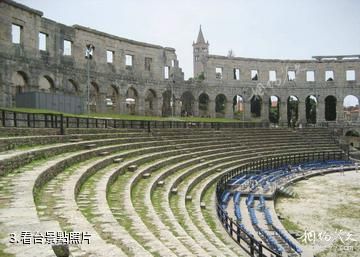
[296,29]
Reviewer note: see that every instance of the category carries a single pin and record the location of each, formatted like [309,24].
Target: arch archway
[131,100]
[150,102]
[167,109]
[203,105]
[220,105]
[93,97]
[238,106]
[310,109]
[71,87]
[292,110]
[112,98]
[274,107]
[46,84]
[351,108]
[330,108]
[19,84]
[187,106]
[255,106]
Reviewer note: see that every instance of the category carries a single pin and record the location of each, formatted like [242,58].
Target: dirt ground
[327,209]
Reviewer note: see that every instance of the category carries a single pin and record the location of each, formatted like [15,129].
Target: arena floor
[327,209]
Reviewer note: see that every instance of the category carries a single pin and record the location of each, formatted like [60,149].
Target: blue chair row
[262,202]
[270,241]
[237,181]
[247,231]
[287,240]
[252,214]
[268,216]
[250,200]
[237,206]
[225,198]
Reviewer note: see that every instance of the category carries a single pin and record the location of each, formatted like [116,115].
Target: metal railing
[47,120]
[255,247]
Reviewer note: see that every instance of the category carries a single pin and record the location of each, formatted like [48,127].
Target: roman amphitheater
[280,179]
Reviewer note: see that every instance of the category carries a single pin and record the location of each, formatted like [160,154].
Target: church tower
[200,54]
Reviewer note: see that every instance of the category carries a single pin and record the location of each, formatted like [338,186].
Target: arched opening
[150,103]
[46,84]
[18,85]
[112,98]
[131,101]
[330,108]
[204,105]
[352,133]
[238,107]
[292,110]
[255,106]
[71,87]
[310,108]
[167,107]
[220,105]
[93,97]
[351,108]
[274,107]
[187,100]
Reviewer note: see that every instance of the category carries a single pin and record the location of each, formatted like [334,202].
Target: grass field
[129,117]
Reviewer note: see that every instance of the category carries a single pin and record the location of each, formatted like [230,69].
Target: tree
[231,53]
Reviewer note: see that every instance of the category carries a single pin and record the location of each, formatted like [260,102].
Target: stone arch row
[152,102]
[110,100]
[237,108]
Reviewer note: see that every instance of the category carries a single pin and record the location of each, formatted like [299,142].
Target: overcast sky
[296,29]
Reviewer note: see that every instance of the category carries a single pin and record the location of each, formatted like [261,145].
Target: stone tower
[200,53]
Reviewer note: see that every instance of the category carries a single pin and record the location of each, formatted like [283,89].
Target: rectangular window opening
[109,56]
[291,75]
[218,72]
[172,63]
[16,34]
[350,75]
[42,41]
[148,62]
[310,76]
[272,75]
[329,75]
[129,60]
[254,75]
[166,72]
[236,74]
[67,47]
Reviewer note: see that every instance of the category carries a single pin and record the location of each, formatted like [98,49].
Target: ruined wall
[24,67]
[231,76]
[60,68]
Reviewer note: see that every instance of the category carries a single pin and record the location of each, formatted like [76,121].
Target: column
[196,108]
[211,108]
[265,109]
[301,112]
[320,111]
[229,110]
[283,113]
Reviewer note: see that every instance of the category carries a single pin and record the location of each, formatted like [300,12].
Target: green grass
[127,116]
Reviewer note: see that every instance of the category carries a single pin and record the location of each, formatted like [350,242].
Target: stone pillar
[140,106]
[158,106]
[283,113]
[177,108]
[229,110]
[265,109]
[320,111]
[339,109]
[247,114]
[211,108]
[196,108]
[301,112]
